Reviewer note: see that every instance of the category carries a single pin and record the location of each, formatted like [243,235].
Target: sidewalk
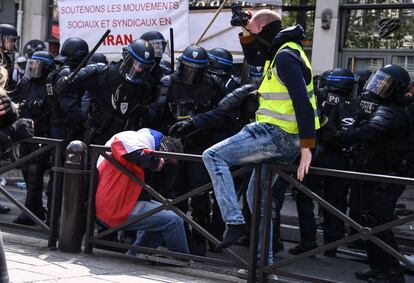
[29,260]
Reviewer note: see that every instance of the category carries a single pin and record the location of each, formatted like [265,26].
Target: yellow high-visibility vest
[275,104]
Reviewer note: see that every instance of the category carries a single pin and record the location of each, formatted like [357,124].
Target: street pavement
[29,260]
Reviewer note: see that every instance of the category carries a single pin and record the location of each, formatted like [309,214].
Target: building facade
[355,34]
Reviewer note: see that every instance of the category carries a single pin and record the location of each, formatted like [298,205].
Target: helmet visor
[133,70]
[34,68]
[190,73]
[10,43]
[381,84]
[159,47]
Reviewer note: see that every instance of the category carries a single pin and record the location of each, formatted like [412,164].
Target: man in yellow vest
[285,121]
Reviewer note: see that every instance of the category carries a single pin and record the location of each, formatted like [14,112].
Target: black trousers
[380,205]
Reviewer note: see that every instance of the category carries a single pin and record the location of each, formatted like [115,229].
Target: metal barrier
[254,274]
[54,145]
[364,233]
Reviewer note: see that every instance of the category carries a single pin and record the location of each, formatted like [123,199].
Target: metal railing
[254,274]
[54,145]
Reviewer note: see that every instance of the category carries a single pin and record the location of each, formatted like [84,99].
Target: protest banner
[127,20]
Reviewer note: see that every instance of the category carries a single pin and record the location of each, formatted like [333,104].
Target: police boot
[33,176]
[303,247]
[4,209]
[367,273]
[392,275]
[198,245]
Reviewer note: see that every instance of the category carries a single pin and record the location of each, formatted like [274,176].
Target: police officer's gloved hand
[181,128]
[7,107]
[20,130]
[36,107]
[62,84]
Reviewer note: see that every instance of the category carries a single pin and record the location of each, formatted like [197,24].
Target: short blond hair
[266,16]
[4,75]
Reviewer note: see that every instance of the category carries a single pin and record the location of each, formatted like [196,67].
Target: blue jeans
[162,228]
[255,143]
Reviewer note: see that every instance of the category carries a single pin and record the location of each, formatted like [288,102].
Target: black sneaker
[392,275]
[303,247]
[233,234]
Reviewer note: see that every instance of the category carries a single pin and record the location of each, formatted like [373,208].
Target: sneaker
[233,234]
[303,247]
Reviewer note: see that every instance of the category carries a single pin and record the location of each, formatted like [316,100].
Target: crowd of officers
[141,90]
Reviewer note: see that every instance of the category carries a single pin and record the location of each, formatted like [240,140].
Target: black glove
[20,130]
[8,111]
[62,84]
[181,128]
[235,98]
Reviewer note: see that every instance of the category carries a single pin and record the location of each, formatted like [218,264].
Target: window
[407,62]
[362,29]
[371,64]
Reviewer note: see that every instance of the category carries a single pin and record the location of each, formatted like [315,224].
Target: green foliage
[362,30]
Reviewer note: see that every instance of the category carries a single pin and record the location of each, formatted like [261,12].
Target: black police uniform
[386,135]
[66,116]
[118,103]
[31,94]
[340,111]
[190,91]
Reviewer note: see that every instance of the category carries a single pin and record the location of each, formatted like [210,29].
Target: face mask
[268,33]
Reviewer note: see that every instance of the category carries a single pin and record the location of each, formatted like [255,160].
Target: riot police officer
[66,120]
[120,93]
[66,117]
[220,67]
[189,94]
[255,75]
[386,134]
[340,109]
[31,95]
[157,41]
[9,41]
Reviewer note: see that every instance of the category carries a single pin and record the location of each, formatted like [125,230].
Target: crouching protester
[119,198]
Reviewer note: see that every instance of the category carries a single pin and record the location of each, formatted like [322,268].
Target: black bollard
[72,219]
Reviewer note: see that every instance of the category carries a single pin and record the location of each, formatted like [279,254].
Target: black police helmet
[156,39]
[138,60]
[73,51]
[99,58]
[389,81]
[6,29]
[340,79]
[40,64]
[221,61]
[8,38]
[192,64]
[32,46]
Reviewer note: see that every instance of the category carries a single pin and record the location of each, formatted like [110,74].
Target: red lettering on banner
[165,21]
[119,39]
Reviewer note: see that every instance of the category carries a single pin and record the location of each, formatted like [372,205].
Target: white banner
[127,20]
